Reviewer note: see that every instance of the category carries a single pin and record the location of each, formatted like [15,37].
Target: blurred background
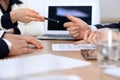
[109,9]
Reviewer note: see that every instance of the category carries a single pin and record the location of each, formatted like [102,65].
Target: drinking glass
[107,49]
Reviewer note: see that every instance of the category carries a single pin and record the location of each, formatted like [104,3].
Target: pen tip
[57,21]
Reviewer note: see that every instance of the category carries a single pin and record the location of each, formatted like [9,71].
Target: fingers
[23,43]
[27,15]
[30,40]
[90,36]
[33,11]
[34,41]
[72,18]
[76,20]
[68,24]
[87,33]
[29,19]
[30,16]
[73,30]
[73,21]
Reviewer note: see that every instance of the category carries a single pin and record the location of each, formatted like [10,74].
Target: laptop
[54,30]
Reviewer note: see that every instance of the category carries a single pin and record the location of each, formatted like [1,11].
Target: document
[71,47]
[113,71]
[54,77]
[37,64]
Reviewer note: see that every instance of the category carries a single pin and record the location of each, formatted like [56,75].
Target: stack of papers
[37,64]
[71,47]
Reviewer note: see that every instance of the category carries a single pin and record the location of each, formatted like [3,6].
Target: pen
[52,20]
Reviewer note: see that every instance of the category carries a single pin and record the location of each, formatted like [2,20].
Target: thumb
[74,19]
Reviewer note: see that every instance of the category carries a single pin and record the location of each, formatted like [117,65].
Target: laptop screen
[59,13]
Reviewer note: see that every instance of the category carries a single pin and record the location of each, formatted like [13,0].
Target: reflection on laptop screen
[59,13]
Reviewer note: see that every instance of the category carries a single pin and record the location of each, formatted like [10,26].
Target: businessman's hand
[25,15]
[99,35]
[19,47]
[76,27]
[28,39]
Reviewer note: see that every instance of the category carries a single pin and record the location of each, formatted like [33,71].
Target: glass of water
[107,49]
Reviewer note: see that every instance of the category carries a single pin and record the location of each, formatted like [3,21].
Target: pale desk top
[86,73]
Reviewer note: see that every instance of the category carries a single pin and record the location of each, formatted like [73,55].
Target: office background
[109,9]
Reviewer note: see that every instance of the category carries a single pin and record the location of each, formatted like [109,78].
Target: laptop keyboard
[53,36]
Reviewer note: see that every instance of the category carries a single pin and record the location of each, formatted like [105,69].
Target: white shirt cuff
[93,28]
[8,43]
[1,33]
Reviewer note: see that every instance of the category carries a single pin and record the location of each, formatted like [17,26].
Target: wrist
[93,28]
[8,43]
[2,33]
[11,31]
[12,15]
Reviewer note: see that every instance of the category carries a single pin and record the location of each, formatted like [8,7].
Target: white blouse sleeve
[32,29]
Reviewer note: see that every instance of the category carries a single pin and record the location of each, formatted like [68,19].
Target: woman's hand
[25,15]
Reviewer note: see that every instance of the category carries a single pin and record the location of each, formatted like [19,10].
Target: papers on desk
[37,64]
[71,47]
[113,71]
[54,77]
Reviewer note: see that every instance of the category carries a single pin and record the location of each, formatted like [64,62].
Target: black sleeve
[112,25]
[7,23]
[4,50]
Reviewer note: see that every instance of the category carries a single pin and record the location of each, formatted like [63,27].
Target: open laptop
[54,30]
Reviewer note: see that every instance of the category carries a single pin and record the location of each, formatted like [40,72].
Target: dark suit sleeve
[4,50]
[112,25]
[7,23]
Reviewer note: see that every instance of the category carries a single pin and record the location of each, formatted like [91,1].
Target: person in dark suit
[11,44]
[78,28]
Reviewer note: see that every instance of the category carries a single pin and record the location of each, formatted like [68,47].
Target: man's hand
[99,35]
[76,27]
[19,47]
[25,15]
[28,39]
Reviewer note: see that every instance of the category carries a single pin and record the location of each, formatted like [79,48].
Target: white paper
[54,77]
[71,47]
[37,64]
[113,71]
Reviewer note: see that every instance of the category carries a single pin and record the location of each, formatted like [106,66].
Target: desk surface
[86,73]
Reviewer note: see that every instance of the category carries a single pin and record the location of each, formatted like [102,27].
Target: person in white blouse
[16,18]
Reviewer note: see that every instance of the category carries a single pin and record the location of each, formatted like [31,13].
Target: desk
[86,73]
